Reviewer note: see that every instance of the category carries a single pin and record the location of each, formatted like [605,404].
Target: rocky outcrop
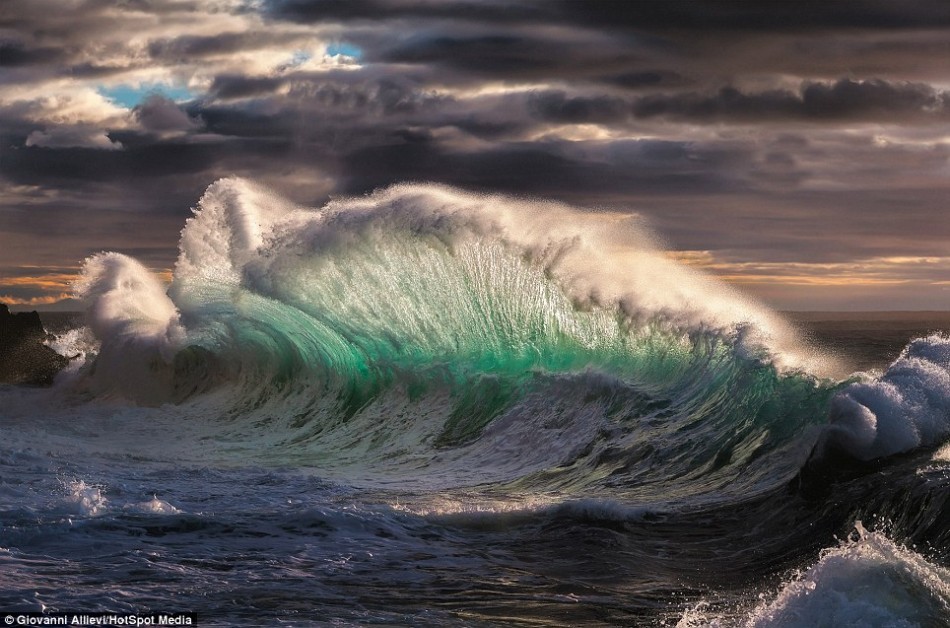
[24,359]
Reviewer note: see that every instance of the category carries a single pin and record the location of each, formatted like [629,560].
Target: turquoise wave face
[648,411]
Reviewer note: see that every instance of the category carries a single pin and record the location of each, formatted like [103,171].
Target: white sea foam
[87,499]
[867,581]
[233,220]
[942,454]
[77,345]
[135,322]
[154,506]
[907,407]
[127,303]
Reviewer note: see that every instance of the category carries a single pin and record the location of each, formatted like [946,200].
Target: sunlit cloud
[769,146]
[49,281]
[10,299]
[72,137]
[872,272]
[46,288]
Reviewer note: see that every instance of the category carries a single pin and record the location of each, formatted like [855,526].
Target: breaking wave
[535,343]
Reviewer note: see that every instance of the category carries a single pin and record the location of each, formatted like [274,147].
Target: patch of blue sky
[343,48]
[129,96]
[300,57]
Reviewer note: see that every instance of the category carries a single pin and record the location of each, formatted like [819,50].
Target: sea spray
[136,325]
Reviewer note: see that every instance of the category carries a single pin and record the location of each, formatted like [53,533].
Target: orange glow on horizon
[49,288]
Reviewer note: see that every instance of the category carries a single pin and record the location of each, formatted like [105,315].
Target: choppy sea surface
[431,408]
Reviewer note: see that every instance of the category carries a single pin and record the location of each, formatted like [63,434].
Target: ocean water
[427,407]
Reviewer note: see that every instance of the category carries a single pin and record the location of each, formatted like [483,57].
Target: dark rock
[24,359]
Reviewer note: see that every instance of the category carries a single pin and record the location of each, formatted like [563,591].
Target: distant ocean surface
[424,407]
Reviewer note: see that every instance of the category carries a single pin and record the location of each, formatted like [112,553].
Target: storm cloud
[763,141]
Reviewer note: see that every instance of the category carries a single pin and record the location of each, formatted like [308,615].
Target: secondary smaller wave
[905,408]
[135,322]
[867,581]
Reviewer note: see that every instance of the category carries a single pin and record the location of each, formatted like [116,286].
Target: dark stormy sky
[797,149]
